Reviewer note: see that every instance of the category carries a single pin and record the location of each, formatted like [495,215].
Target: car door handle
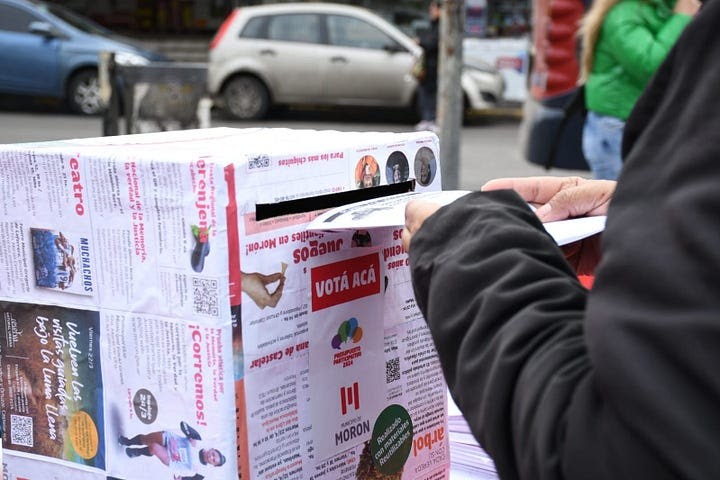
[268,52]
[338,59]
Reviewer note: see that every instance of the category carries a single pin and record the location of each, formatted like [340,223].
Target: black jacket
[430,43]
[618,383]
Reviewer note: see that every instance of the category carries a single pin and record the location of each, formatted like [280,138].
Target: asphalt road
[489,142]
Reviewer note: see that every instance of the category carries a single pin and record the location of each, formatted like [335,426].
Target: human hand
[559,198]
[255,285]
[687,7]
[416,211]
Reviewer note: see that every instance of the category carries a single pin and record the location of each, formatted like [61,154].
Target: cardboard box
[150,319]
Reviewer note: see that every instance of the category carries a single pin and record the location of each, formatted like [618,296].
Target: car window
[352,32]
[15,20]
[256,27]
[304,27]
[81,23]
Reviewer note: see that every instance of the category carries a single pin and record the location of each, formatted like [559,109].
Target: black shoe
[189,431]
[133,452]
[123,441]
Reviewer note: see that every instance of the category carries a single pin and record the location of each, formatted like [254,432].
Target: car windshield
[77,21]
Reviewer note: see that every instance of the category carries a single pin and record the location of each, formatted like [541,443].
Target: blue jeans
[601,144]
[427,94]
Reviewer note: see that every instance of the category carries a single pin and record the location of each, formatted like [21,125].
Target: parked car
[47,50]
[322,54]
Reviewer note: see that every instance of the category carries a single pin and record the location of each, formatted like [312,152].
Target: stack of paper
[467,458]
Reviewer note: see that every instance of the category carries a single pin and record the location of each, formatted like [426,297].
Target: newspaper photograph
[51,395]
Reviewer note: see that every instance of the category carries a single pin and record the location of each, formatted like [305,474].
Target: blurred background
[244,48]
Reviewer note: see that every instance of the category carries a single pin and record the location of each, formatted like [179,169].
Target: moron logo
[351,333]
[356,426]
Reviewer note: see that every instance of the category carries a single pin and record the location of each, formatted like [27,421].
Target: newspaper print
[278,374]
[148,214]
[130,238]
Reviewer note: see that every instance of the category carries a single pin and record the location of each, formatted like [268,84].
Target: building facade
[484,18]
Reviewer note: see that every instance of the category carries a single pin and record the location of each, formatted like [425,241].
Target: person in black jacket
[619,382]
[429,40]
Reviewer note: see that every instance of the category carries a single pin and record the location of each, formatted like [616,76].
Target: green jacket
[634,40]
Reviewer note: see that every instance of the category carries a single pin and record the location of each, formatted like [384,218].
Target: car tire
[246,98]
[83,95]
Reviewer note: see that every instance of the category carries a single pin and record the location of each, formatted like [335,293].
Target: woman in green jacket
[624,42]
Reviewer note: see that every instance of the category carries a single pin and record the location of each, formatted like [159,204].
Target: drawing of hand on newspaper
[255,285]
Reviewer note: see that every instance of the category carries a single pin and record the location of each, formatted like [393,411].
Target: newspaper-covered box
[154,327]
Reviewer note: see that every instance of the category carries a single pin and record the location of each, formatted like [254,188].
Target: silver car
[322,54]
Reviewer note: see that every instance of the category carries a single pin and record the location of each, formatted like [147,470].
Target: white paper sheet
[390,212]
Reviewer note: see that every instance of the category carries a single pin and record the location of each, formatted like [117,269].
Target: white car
[323,54]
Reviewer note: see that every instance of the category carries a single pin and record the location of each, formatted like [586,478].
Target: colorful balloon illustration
[349,330]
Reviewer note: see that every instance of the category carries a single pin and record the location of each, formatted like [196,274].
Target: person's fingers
[406,236]
[275,297]
[537,190]
[279,288]
[272,277]
[588,198]
[416,211]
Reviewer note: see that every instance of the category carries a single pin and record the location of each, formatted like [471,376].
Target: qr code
[21,430]
[261,161]
[205,296]
[392,370]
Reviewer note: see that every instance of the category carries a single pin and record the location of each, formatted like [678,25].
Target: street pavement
[489,146]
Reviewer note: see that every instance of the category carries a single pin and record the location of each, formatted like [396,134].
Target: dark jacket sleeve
[620,382]
[505,310]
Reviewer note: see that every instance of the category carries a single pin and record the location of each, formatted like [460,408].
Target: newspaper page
[288,404]
[116,326]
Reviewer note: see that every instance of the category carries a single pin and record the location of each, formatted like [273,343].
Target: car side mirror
[45,29]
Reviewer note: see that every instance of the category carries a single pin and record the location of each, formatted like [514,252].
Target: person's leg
[432,102]
[133,452]
[422,103]
[602,142]
[142,439]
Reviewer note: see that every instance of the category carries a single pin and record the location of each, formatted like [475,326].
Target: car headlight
[128,58]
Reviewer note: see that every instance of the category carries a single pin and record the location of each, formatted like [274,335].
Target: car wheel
[84,93]
[246,98]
